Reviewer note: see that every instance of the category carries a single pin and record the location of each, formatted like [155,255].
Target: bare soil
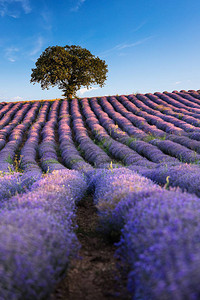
[94,275]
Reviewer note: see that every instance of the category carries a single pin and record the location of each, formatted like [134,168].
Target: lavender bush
[115,191]
[160,247]
[34,253]
[13,183]
[39,242]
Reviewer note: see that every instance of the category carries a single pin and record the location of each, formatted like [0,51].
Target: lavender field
[138,156]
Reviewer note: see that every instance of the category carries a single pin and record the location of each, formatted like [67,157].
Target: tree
[68,67]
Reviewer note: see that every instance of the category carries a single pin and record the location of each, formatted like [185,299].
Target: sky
[148,45]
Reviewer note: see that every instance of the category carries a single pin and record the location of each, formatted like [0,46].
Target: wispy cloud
[79,3]
[11,53]
[10,98]
[139,26]
[37,47]
[10,8]
[177,82]
[2,99]
[123,46]
[17,98]
[130,45]
[46,19]
[85,90]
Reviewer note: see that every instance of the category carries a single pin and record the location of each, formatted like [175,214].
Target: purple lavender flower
[34,253]
[160,247]
[39,242]
[112,188]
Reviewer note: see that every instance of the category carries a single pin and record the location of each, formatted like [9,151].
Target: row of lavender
[119,144]
[37,239]
[116,122]
[39,151]
[159,246]
[151,218]
[37,224]
[164,135]
[178,174]
[158,232]
[109,136]
[116,130]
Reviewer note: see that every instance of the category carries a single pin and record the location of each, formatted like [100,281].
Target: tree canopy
[69,67]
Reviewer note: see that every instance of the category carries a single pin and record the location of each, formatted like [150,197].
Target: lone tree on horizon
[68,67]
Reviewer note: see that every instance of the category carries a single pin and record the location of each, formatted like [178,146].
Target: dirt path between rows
[93,277]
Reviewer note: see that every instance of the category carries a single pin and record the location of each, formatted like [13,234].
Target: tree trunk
[69,92]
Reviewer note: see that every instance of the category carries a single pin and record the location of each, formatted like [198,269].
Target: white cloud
[124,46]
[38,45]
[10,53]
[32,47]
[78,5]
[11,99]
[139,26]
[85,90]
[122,54]
[17,98]
[46,19]
[7,7]
[177,82]
[25,5]
[2,99]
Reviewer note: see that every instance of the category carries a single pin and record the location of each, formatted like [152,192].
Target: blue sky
[149,45]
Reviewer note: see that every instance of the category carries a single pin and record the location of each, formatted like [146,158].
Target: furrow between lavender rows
[8,123]
[16,135]
[161,120]
[189,95]
[92,153]
[185,140]
[10,115]
[188,130]
[167,112]
[118,150]
[155,150]
[163,105]
[2,105]
[172,126]
[185,101]
[193,93]
[4,109]
[125,135]
[170,98]
[171,147]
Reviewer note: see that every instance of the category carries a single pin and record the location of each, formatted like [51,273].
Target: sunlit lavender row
[146,130]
